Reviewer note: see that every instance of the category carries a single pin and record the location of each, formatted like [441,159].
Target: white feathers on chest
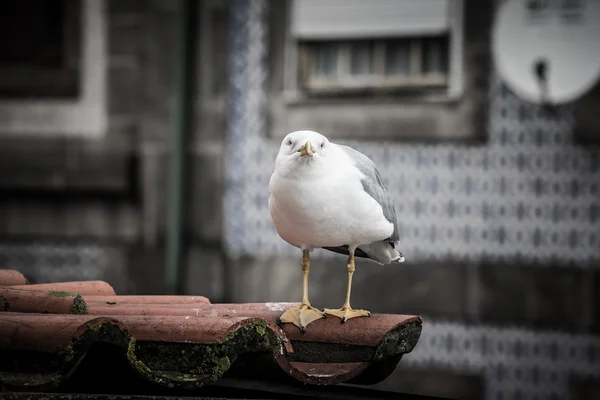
[319,203]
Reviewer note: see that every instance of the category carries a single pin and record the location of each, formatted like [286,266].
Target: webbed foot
[345,313]
[301,316]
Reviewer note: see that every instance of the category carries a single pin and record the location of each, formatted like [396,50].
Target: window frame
[296,87]
[27,82]
[378,81]
[85,115]
[457,115]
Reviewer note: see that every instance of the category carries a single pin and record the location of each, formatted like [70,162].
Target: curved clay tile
[84,288]
[168,342]
[10,277]
[51,301]
[159,301]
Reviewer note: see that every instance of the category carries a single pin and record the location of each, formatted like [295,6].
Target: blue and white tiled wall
[528,194]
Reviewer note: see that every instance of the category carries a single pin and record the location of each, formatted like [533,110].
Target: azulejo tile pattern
[516,363]
[529,193]
[58,262]
[247,105]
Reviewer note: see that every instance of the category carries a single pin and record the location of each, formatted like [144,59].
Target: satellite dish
[548,51]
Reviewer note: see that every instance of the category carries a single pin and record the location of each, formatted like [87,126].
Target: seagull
[330,196]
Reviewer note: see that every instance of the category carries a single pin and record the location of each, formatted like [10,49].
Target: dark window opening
[40,48]
[413,63]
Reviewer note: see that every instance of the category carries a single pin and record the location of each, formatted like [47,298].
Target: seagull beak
[307,149]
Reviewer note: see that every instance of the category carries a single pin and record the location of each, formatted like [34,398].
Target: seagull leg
[346,312]
[303,314]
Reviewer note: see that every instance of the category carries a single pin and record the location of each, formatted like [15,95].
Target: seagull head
[303,149]
[303,144]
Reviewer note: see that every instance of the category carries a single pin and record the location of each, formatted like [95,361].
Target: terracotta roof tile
[93,288]
[9,277]
[184,341]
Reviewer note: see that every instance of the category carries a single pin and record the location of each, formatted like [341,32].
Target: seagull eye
[322,144]
[289,142]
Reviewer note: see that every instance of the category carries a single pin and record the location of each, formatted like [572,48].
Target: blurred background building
[137,139]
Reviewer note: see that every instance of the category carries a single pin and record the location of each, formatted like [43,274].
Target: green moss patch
[60,293]
[184,365]
[29,379]
[101,331]
[398,341]
[79,306]
[195,365]
[316,352]
[35,367]
[34,361]
[4,304]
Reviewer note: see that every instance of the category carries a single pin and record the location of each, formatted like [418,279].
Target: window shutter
[338,19]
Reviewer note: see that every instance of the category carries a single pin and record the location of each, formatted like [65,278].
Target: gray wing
[374,185]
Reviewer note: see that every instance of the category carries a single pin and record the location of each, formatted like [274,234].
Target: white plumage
[327,200]
[326,195]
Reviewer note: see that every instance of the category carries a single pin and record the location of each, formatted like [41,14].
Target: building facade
[498,200]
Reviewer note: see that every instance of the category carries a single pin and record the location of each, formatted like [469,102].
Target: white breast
[329,210]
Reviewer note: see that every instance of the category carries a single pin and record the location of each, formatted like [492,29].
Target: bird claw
[346,313]
[301,316]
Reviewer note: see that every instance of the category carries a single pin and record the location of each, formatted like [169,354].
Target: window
[380,69]
[39,48]
[350,46]
[53,67]
[385,64]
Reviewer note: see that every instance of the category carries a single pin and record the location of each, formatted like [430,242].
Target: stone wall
[500,236]
[63,196]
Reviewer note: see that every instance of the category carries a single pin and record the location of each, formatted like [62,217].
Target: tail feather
[381,252]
